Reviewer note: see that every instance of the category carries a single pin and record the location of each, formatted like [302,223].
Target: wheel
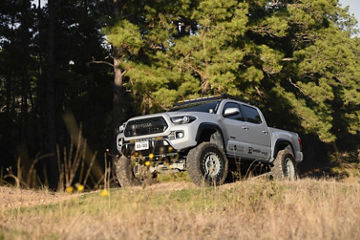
[284,165]
[129,173]
[207,164]
[115,180]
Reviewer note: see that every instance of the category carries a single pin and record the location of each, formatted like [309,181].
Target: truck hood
[167,115]
[148,116]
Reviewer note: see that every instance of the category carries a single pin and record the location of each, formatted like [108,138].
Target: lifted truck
[202,136]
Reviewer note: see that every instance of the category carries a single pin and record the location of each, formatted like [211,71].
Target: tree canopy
[297,54]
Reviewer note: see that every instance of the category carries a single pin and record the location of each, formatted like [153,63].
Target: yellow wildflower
[104,193]
[151,156]
[147,163]
[70,189]
[80,187]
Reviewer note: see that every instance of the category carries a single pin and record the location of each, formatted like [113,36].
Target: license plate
[141,145]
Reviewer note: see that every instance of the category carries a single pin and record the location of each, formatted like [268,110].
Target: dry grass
[11,197]
[252,209]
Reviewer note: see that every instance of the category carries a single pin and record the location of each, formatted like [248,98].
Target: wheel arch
[281,144]
[205,131]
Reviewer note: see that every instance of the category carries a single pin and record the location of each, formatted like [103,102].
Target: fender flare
[208,125]
[279,142]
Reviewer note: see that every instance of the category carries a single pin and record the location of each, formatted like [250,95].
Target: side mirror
[231,111]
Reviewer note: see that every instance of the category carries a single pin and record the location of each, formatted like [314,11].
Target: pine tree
[296,57]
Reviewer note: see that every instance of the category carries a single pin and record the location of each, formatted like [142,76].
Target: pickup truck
[202,136]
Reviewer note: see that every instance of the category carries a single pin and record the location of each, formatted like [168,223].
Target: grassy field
[250,209]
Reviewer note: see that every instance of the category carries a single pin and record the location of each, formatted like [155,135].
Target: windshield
[207,107]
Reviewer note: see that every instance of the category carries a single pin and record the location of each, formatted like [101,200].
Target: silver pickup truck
[202,136]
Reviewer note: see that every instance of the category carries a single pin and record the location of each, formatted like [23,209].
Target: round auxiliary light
[179,135]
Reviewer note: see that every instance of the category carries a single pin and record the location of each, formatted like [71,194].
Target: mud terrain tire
[124,172]
[207,164]
[285,167]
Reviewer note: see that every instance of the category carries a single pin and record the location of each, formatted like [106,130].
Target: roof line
[203,99]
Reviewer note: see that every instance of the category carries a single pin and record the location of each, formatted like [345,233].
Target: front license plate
[141,145]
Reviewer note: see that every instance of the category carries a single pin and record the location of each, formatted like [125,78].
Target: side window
[251,114]
[236,116]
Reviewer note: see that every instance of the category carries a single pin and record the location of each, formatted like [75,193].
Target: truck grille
[145,127]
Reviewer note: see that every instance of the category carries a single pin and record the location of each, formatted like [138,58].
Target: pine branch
[103,62]
[295,85]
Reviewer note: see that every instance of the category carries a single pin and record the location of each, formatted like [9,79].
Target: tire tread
[194,166]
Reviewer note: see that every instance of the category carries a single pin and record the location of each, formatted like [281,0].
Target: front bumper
[159,143]
[158,148]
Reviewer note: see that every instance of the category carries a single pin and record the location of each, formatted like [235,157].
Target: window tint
[198,107]
[237,116]
[251,114]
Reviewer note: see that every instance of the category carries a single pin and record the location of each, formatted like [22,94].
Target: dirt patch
[170,186]
[14,197]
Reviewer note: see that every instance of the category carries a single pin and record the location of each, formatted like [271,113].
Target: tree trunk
[117,94]
[117,73]
[8,93]
[53,171]
[118,82]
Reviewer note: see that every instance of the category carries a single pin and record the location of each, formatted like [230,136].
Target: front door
[235,131]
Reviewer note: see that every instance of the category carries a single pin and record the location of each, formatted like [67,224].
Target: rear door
[257,135]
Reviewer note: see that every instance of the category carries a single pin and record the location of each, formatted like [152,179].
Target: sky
[354,8]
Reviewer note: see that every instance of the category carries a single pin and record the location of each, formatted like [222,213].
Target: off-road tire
[124,172]
[114,180]
[285,167]
[196,159]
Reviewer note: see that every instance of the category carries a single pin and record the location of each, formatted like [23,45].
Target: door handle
[264,132]
[245,127]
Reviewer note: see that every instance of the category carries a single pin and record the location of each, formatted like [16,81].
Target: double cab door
[246,132]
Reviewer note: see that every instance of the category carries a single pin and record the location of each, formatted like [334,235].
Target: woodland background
[72,71]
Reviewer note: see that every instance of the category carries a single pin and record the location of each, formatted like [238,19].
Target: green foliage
[125,36]
[173,177]
[302,51]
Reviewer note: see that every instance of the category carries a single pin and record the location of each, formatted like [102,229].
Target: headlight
[183,119]
[122,128]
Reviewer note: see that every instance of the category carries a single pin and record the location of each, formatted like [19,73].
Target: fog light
[179,134]
[176,135]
